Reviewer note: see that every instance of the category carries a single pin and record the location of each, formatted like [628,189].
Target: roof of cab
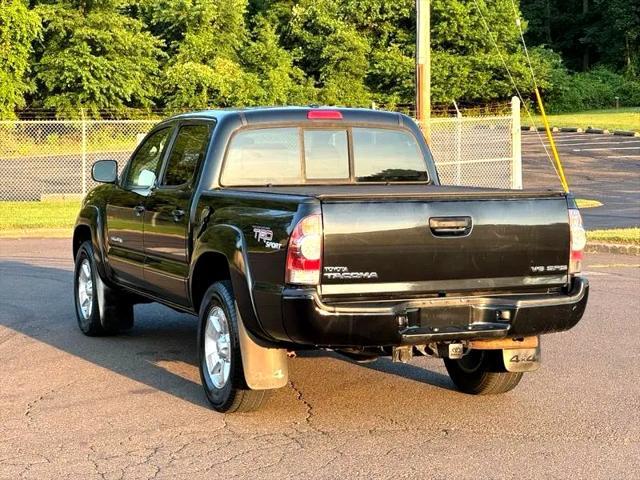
[255,115]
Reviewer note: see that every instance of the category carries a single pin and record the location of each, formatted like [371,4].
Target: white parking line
[597,143]
[623,156]
[599,139]
[563,137]
[577,141]
[598,149]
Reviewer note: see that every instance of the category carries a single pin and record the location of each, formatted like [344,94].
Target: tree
[279,80]
[617,35]
[356,51]
[604,32]
[95,57]
[205,70]
[19,26]
[220,59]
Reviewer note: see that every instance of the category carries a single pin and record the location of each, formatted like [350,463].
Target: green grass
[622,119]
[616,235]
[47,218]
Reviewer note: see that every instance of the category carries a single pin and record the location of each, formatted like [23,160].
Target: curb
[620,248]
[601,131]
[626,133]
[572,129]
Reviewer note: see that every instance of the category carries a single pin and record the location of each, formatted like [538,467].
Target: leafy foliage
[597,88]
[175,54]
[94,57]
[588,32]
[19,27]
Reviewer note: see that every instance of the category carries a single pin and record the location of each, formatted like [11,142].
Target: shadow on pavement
[160,350]
[37,302]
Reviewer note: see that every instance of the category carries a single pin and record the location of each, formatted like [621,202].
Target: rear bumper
[308,321]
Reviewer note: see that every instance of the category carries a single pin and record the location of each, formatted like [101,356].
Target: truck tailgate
[408,246]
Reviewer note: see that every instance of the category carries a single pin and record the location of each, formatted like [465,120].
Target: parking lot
[131,406]
[598,167]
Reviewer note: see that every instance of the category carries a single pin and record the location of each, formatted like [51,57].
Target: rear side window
[294,156]
[262,157]
[188,149]
[381,155]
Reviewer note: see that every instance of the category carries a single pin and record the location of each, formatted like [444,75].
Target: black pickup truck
[286,229]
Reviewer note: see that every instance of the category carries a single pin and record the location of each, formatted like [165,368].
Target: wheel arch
[220,254]
[210,267]
[89,227]
[81,234]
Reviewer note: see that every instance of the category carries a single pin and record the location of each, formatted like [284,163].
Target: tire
[223,375]
[482,372]
[100,309]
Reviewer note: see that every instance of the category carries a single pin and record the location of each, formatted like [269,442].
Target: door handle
[139,210]
[450,226]
[177,214]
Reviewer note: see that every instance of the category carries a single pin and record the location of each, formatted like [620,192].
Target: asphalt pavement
[598,167]
[131,407]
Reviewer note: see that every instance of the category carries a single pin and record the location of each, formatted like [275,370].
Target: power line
[515,86]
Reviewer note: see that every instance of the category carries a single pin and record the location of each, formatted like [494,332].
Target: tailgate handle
[450,226]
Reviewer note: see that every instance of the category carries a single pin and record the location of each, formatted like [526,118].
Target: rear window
[326,154]
[381,155]
[292,156]
[262,157]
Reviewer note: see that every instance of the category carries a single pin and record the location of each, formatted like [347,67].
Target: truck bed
[404,240]
[401,191]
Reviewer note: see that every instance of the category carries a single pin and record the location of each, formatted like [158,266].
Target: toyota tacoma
[285,229]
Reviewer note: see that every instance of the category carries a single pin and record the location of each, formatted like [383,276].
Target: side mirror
[105,171]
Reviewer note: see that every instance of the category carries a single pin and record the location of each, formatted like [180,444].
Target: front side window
[188,149]
[143,167]
[262,157]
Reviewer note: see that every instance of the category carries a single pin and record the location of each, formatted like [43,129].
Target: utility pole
[423,66]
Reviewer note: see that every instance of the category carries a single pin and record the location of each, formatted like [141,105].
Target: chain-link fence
[479,151]
[42,159]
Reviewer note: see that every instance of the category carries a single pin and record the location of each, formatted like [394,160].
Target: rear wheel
[100,310]
[220,360]
[482,372]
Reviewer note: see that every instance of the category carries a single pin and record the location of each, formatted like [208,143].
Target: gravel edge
[621,248]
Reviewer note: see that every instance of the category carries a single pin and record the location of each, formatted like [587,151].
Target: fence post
[458,137]
[516,145]
[84,153]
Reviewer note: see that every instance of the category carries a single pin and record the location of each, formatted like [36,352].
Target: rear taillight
[578,240]
[304,256]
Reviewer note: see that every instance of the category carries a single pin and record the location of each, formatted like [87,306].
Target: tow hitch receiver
[521,359]
[402,354]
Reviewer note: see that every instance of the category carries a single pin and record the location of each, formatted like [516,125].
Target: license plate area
[445,318]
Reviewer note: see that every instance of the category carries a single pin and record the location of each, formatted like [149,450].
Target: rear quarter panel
[261,224]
